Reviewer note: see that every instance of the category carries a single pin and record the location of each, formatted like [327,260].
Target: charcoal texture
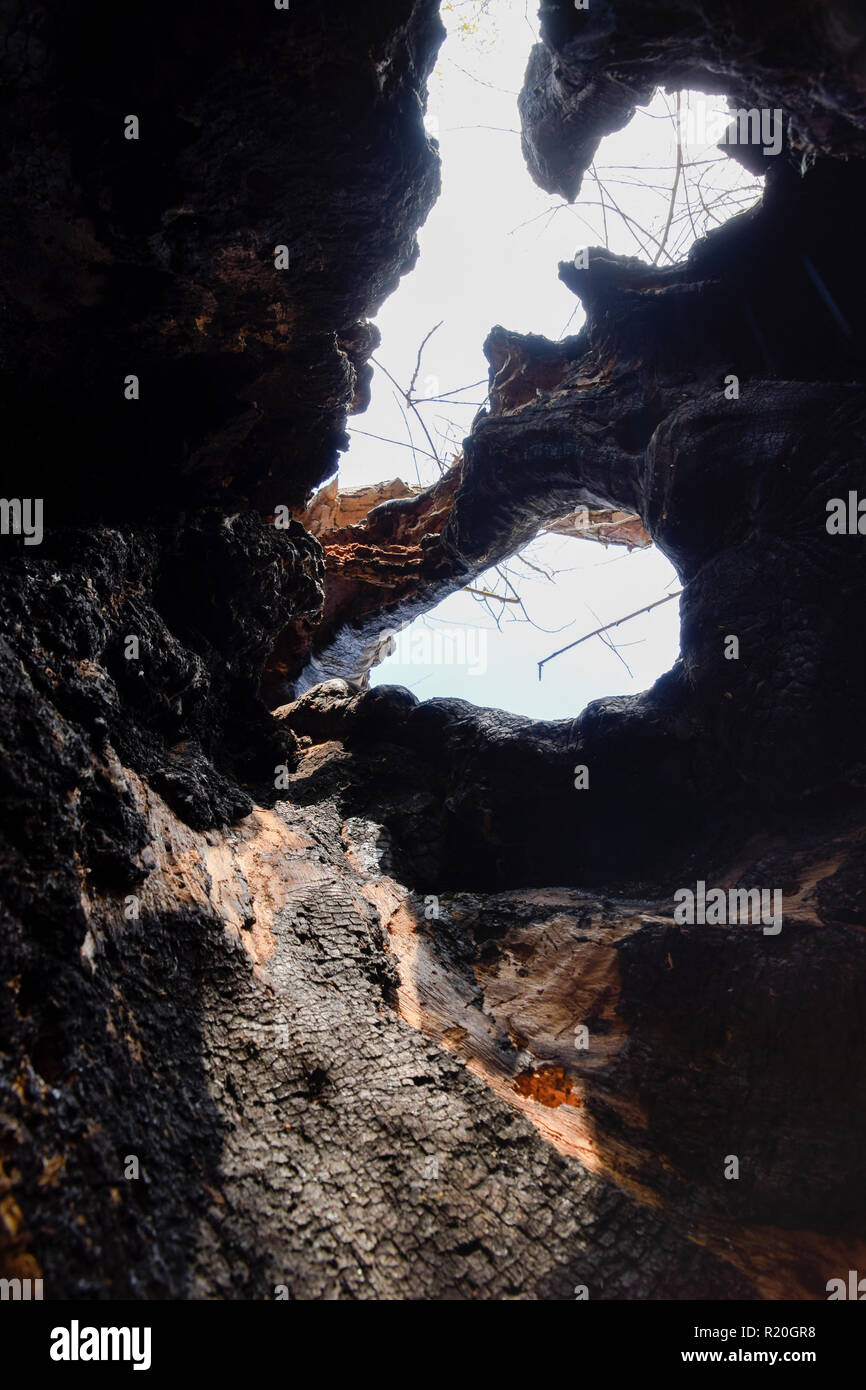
[293,970]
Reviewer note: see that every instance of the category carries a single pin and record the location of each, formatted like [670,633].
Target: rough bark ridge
[334,1020]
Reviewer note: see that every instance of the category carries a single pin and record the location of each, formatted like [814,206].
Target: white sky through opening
[489,254]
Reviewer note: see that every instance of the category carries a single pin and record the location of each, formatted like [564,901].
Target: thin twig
[422,400]
[486,593]
[424,342]
[503,573]
[399,442]
[603,208]
[409,432]
[408,399]
[505,129]
[611,645]
[481,81]
[677,176]
[607,627]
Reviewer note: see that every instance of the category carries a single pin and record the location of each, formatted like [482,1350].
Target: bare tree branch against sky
[489,253]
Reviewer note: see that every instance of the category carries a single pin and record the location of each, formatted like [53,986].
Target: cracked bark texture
[333,1012]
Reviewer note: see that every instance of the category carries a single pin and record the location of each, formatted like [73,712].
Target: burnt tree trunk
[292,1000]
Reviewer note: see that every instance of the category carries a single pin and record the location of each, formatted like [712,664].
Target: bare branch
[677,177]
[399,442]
[611,645]
[422,400]
[607,627]
[487,593]
[409,432]
[424,342]
[481,81]
[412,406]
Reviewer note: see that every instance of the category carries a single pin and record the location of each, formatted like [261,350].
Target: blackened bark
[321,974]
